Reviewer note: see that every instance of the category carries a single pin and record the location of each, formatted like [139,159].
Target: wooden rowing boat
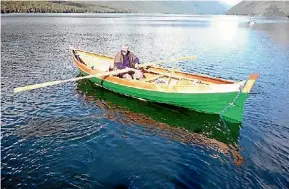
[197,92]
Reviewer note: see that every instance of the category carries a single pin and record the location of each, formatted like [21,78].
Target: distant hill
[54,7]
[179,7]
[261,8]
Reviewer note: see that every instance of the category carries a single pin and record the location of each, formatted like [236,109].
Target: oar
[46,84]
[170,60]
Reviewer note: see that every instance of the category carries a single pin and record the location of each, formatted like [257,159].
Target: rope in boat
[233,102]
[230,104]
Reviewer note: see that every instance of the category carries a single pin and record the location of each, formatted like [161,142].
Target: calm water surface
[78,136]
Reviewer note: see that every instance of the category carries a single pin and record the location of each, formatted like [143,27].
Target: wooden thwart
[174,76]
[152,78]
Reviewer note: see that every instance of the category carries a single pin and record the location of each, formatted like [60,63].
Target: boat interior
[153,74]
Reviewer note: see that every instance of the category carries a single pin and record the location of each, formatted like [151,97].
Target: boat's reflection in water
[175,123]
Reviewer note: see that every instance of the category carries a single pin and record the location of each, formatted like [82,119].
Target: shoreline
[129,13]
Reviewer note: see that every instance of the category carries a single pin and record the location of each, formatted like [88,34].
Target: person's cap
[124,48]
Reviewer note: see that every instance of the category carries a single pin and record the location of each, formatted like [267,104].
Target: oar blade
[36,86]
[188,57]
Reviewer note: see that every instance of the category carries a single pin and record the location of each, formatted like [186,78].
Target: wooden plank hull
[212,99]
[146,113]
[213,103]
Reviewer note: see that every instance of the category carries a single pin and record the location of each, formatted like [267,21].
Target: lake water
[78,136]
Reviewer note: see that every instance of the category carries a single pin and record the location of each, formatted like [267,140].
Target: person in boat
[252,21]
[126,59]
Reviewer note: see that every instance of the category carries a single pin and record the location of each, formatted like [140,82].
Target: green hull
[228,105]
[143,112]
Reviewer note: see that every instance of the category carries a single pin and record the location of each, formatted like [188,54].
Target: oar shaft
[170,60]
[41,85]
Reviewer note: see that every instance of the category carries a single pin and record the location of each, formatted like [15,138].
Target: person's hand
[136,66]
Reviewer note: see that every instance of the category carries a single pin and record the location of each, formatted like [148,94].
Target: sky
[231,2]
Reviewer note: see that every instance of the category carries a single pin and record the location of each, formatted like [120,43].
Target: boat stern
[250,83]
